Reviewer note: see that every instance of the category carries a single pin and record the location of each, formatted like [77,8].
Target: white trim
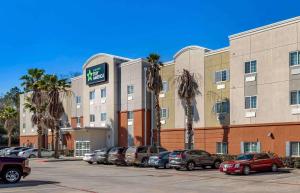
[192,47]
[103,54]
[217,51]
[131,62]
[76,77]
[265,28]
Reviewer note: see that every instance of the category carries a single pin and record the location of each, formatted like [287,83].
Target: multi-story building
[249,97]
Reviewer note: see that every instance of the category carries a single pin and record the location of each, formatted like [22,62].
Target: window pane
[224,148]
[103,93]
[164,86]
[293,58]
[253,102]
[247,67]
[293,98]
[253,66]
[294,148]
[130,115]
[224,75]
[247,102]
[225,107]
[246,147]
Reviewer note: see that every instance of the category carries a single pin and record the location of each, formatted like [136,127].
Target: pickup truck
[13,168]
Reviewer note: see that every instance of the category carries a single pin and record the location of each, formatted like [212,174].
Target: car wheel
[190,166]
[246,170]
[177,169]
[145,162]
[274,168]
[98,162]
[166,165]
[90,162]
[11,175]
[32,156]
[217,164]
[156,167]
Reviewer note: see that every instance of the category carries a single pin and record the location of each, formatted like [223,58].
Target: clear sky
[59,35]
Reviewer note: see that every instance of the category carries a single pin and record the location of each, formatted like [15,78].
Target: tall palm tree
[154,85]
[9,115]
[49,122]
[56,88]
[36,101]
[187,90]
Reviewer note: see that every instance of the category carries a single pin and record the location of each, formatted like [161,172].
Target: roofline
[76,77]
[212,52]
[132,61]
[168,63]
[191,47]
[265,27]
[104,54]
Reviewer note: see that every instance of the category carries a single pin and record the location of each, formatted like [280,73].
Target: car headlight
[236,165]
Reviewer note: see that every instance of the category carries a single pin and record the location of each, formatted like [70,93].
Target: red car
[245,163]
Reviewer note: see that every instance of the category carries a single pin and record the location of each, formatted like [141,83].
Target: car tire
[274,168]
[90,162]
[145,162]
[246,170]
[190,166]
[156,167]
[217,164]
[11,175]
[98,162]
[177,169]
[166,166]
[32,156]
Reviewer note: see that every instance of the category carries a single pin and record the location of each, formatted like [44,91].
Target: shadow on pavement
[26,183]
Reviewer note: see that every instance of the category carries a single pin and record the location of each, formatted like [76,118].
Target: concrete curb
[55,160]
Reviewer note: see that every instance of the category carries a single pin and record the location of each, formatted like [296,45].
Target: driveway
[78,176]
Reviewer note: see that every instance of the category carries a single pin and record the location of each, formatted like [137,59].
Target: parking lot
[78,176]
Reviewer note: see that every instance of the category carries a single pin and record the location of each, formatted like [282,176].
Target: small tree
[187,90]
[9,115]
[154,85]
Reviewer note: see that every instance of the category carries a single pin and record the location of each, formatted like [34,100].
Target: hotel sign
[96,74]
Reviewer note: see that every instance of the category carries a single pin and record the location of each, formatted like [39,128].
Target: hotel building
[249,98]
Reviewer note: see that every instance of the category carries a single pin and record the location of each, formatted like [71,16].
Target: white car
[33,153]
[92,157]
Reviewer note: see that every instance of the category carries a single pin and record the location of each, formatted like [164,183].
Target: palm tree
[49,122]
[36,101]
[187,90]
[56,88]
[154,85]
[9,115]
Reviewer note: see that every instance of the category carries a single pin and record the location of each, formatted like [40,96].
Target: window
[295,149]
[78,100]
[130,89]
[295,97]
[82,147]
[103,116]
[250,147]
[165,86]
[250,102]
[78,120]
[295,58]
[222,75]
[24,125]
[130,115]
[103,93]
[250,67]
[164,113]
[222,107]
[221,148]
[92,95]
[92,118]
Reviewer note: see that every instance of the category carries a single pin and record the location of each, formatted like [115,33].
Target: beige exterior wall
[270,47]
[26,126]
[192,59]
[167,99]
[214,92]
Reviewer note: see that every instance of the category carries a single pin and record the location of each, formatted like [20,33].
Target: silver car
[98,156]
[33,153]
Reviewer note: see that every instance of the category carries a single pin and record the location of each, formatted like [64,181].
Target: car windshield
[174,153]
[245,157]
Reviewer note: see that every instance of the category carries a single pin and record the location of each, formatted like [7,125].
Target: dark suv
[13,168]
[189,159]
[139,156]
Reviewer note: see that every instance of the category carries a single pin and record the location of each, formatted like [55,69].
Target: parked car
[13,168]
[98,156]
[117,156]
[33,153]
[245,163]
[139,156]
[8,150]
[160,161]
[189,159]
[16,151]
[3,150]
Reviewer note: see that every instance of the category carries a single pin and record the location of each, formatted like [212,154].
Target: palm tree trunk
[189,123]
[9,138]
[40,140]
[158,124]
[52,139]
[56,154]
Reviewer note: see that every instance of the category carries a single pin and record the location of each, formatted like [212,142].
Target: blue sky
[59,35]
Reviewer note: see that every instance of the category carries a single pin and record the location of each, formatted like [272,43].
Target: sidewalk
[61,159]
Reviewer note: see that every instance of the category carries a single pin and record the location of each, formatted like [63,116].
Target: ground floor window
[130,138]
[295,149]
[221,148]
[82,147]
[250,147]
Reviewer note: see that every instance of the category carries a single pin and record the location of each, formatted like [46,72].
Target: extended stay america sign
[96,74]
